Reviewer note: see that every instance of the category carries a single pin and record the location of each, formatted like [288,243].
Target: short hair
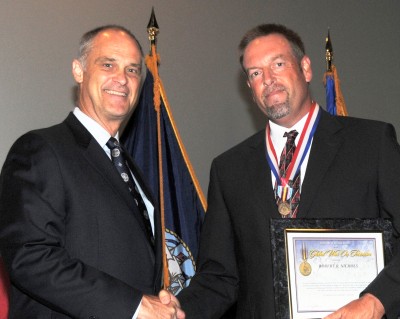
[266,29]
[86,43]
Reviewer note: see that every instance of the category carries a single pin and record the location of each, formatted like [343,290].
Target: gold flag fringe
[339,99]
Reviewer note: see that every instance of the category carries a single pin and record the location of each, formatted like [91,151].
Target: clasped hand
[165,306]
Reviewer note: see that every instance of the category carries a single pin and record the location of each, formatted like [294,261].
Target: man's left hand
[366,307]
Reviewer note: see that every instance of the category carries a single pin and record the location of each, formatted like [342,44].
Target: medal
[284,208]
[283,191]
[305,267]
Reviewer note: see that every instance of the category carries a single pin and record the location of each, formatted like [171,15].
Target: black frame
[278,227]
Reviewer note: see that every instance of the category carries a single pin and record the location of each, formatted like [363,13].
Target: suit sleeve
[214,288]
[33,219]
[386,287]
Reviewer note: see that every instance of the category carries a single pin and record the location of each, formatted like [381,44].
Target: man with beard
[349,170]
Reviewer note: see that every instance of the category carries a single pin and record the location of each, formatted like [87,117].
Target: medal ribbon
[301,150]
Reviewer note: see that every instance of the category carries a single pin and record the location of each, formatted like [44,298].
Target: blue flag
[330,94]
[181,200]
[335,104]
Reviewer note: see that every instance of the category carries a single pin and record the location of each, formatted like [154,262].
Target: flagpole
[152,64]
[328,53]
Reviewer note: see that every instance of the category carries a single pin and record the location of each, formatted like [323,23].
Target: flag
[4,288]
[152,139]
[335,104]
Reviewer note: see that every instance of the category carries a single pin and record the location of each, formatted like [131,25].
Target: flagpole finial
[152,28]
[328,53]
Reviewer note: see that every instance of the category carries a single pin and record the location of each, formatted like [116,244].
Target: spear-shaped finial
[152,28]
[328,53]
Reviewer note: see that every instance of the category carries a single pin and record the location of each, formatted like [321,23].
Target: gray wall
[198,47]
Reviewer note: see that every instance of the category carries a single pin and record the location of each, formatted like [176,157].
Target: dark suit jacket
[353,171]
[70,233]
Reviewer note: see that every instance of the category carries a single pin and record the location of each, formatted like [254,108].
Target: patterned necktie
[120,163]
[286,158]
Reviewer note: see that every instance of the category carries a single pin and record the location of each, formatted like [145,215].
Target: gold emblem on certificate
[305,267]
[284,208]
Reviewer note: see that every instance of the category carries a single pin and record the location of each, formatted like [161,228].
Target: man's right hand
[165,306]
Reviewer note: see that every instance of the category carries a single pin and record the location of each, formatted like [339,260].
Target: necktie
[120,163]
[286,158]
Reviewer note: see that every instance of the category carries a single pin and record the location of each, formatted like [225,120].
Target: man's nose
[268,77]
[120,77]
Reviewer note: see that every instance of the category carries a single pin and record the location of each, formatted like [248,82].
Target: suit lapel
[325,145]
[261,189]
[100,162]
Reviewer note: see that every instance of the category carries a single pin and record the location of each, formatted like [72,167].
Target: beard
[276,110]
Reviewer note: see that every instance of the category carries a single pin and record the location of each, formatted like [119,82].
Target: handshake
[165,306]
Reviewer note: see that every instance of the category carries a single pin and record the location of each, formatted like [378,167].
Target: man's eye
[107,65]
[254,74]
[281,65]
[134,70]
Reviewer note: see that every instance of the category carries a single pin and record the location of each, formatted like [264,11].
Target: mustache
[274,88]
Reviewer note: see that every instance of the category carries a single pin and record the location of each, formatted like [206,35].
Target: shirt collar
[94,128]
[278,131]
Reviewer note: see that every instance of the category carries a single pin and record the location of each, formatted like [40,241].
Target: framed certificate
[321,265]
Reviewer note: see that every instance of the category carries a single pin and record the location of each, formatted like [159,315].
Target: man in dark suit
[351,169]
[72,236]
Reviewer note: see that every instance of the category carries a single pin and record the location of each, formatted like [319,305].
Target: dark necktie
[120,163]
[286,158]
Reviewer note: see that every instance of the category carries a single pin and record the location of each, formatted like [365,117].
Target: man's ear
[77,71]
[306,68]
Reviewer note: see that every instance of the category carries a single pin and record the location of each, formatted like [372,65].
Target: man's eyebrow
[271,59]
[139,65]
[109,59]
[253,68]
[278,56]
[105,59]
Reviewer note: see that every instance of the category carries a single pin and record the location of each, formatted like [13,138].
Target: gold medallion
[305,268]
[284,208]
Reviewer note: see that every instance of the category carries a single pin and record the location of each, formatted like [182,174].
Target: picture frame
[284,293]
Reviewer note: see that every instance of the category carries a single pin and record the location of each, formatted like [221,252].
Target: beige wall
[198,47]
